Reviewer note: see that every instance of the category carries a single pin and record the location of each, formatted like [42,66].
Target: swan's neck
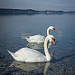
[48,31]
[48,56]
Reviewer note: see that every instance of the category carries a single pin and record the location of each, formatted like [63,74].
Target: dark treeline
[31,12]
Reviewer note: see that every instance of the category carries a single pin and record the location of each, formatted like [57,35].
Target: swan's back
[29,55]
[36,38]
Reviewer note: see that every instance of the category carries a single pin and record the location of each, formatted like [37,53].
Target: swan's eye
[54,29]
[53,39]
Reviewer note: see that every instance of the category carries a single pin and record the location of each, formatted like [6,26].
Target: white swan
[31,55]
[39,38]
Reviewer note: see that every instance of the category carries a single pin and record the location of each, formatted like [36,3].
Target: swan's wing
[30,55]
[37,38]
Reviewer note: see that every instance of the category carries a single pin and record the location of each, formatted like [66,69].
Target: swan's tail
[12,54]
[27,38]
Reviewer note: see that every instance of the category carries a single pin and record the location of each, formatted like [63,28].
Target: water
[13,29]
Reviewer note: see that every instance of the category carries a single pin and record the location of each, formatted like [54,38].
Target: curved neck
[48,56]
[48,31]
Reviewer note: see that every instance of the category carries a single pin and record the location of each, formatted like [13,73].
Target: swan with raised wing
[31,55]
[39,38]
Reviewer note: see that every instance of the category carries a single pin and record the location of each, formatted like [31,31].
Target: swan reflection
[35,45]
[35,67]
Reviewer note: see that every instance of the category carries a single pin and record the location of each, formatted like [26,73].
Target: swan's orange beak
[53,29]
[53,42]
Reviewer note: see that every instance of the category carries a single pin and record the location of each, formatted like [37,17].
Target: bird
[39,38]
[31,55]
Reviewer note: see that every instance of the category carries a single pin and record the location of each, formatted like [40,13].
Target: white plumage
[31,55]
[35,39]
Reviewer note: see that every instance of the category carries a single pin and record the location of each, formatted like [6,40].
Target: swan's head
[51,39]
[52,28]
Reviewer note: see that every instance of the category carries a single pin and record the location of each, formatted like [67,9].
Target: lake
[14,28]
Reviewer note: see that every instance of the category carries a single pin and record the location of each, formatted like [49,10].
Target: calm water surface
[13,29]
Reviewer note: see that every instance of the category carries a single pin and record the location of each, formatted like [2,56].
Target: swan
[31,55]
[39,38]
